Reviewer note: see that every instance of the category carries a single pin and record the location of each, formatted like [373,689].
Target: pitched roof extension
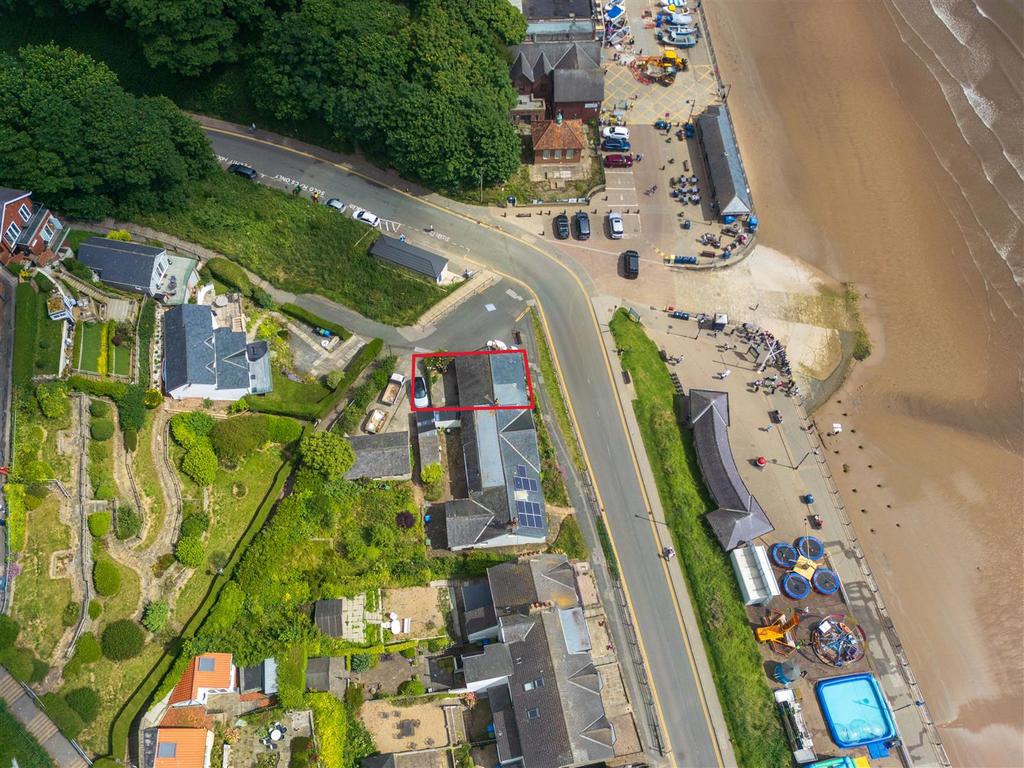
[209,670]
[550,134]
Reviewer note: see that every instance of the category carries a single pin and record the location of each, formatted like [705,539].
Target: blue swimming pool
[856,710]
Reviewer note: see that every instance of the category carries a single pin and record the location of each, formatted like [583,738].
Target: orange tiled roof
[186,717]
[195,678]
[189,747]
[548,134]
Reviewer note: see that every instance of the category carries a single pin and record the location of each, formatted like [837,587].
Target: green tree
[413,687]
[155,615]
[128,522]
[53,399]
[9,630]
[200,463]
[121,640]
[234,439]
[101,429]
[108,153]
[190,551]
[85,701]
[327,453]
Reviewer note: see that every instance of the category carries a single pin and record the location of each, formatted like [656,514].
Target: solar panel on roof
[517,482]
[531,484]
[521,470]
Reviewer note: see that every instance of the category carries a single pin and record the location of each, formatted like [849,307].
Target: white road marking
[490,307]
[386,225]
[514,295]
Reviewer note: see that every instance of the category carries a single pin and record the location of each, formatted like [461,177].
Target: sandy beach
[883,143]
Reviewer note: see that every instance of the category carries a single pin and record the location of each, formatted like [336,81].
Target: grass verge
[569,540]
[17,744]
[735,660]
[297,246]
[554,392]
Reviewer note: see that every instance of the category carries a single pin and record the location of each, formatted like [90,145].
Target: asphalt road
[563,293]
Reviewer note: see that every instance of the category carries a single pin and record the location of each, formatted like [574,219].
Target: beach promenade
[794,470]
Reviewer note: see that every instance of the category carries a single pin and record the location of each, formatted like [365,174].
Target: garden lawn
[40,598]
[89,350]
[122,362]
[735,660]
[48,342]
[288,391]
[231,516]
[17,744]
[297,246]
[26,324]
[113,681]
[146,479]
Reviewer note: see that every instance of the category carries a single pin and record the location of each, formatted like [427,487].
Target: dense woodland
[421,86]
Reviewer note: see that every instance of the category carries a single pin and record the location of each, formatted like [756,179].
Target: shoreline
[845,143]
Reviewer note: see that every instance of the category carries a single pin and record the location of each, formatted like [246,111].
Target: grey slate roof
[473,378]
[728,181]
[7,194]
[574,85]
[506,732]
[197,353]
[325,673]
[495,661]
[411,257]
[385,455]
[478,608]
[124,265]
[557,9]
[739,517]
[327,616]
[535,60]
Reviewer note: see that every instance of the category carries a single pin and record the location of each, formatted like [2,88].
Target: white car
[615,227]
[361,214]
[420,393]
[615,132]
[336,204]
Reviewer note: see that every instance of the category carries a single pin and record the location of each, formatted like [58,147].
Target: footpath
[22,706]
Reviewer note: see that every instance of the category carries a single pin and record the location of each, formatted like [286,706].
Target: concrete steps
[41,727]
[10,689]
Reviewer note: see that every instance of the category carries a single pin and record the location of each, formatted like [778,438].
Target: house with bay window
[29,232]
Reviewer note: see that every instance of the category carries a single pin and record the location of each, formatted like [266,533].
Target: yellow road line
[558,370]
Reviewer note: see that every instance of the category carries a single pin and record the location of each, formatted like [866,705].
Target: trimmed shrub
[87,650]
[52,397]
[190,552]
[9,630]
[230,274]
[200,463]
[122,235]
[99,409]
[361,662]
[99,524]
[408,653]
[187,428]
[282,430]
[154,617]
[334,378]
[40,669]
[235,438]
[18,662]
[69,616]
[129,523]
[85,701]
[78,269]
[131,440]
[413,687]
[195,525]
[122,640]
[101,429]
[314,321]
[62,714]
[106,577]
[152,398]
[95,609]
[431,477]
[327,453]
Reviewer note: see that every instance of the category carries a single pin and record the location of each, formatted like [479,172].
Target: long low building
[739,518]
[722,157]
[404,254]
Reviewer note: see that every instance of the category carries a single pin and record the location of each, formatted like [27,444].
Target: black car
[243,170]
[631,264]
[561,226]
[582,223]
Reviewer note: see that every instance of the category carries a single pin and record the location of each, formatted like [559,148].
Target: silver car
[615,226]
[336,204]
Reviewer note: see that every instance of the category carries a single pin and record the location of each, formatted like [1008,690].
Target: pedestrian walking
[252,128]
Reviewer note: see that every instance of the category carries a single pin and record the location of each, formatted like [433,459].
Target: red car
[618,161]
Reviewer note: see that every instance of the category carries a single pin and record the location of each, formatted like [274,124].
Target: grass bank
[735,661]
[17,744]
[554,392]
[297,246]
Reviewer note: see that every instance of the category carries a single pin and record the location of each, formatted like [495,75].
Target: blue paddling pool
[856,711]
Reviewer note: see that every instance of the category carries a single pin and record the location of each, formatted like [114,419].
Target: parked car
[366,217]
[618,161]
[615,145]
[244,171]
[631,264]
[615,132]
[420,393]
[335,203]
[582,224]
[615,226]
[775,416]
[561,226]
[662,125]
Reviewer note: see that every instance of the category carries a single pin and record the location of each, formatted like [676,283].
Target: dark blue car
[615,145]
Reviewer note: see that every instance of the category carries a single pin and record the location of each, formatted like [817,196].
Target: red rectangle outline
[454,409]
